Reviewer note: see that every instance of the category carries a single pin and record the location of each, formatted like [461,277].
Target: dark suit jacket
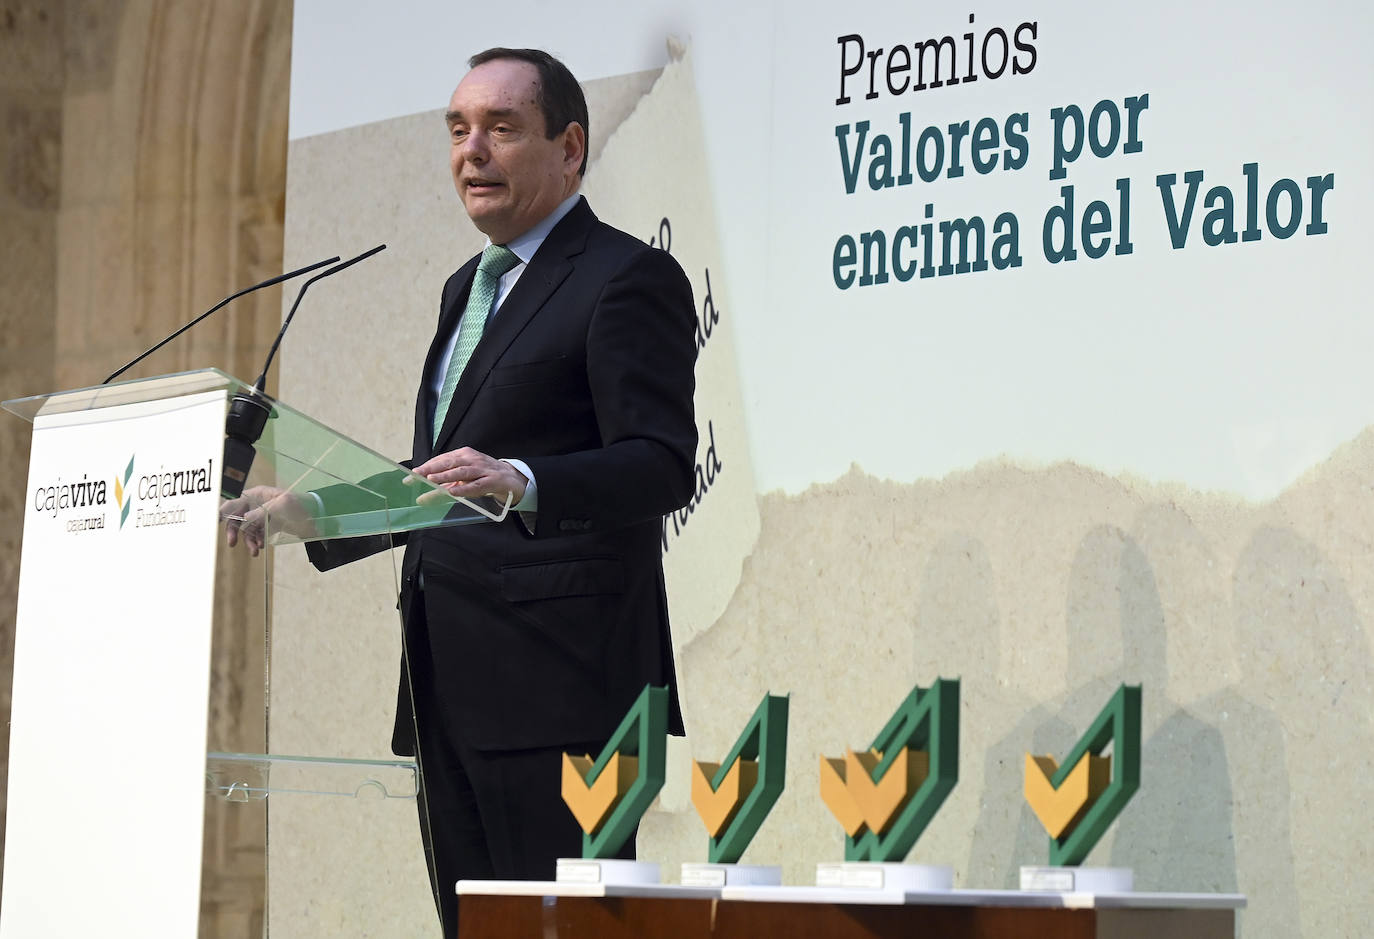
[585,373]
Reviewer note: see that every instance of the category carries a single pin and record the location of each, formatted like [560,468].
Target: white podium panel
[117,581]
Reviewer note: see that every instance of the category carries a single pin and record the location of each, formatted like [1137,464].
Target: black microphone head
[248,414]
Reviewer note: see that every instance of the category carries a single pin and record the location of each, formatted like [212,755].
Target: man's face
[508,173]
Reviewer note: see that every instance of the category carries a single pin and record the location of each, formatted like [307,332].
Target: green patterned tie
[496,261]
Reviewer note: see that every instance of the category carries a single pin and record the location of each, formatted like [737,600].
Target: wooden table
[528,910]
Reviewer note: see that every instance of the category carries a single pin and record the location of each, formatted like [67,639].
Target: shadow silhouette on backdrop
[1171,831]
[958,598]
[1304,683]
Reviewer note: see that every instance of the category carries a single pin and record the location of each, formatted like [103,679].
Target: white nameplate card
[731,875]
[1077,879]
[866,875]
[606,872]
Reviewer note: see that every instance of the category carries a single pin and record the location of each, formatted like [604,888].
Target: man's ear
[574,145]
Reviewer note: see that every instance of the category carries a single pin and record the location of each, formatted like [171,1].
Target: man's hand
[468,474]
[246,518]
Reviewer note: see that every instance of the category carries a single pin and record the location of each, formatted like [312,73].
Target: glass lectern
[142,640]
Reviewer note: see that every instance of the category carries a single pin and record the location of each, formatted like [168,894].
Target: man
[535,635]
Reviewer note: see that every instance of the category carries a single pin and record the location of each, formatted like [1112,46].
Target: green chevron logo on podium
[124,495]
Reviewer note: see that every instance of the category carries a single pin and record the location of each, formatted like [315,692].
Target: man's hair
[560,96]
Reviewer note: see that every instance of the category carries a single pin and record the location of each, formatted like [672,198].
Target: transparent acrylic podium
[266,610]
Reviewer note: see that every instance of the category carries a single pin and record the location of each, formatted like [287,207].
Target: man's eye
[458,133]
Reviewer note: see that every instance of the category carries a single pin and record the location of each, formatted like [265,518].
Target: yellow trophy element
[592,804]
[856,801]
[835,795]
[717,807]
[1059,810]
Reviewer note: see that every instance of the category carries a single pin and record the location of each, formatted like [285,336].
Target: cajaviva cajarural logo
[83,502]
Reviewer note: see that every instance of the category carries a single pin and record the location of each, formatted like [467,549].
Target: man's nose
[474,147]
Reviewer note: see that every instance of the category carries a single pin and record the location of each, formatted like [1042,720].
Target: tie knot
[497,260]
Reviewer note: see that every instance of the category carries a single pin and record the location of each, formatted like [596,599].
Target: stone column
[144,179]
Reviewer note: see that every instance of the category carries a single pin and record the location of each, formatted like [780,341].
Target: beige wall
[142,179]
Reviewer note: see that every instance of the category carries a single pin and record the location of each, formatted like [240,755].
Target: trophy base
[1078,879]
[731,875]
[614,872]
[869,875]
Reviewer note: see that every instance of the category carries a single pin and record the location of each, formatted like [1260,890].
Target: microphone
[227,300]
[250,409]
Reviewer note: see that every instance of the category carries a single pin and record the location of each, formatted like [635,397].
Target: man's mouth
[481,185]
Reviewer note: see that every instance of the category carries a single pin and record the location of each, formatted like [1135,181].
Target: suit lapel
[541,277]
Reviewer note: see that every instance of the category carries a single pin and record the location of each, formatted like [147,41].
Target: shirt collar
[527,244]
